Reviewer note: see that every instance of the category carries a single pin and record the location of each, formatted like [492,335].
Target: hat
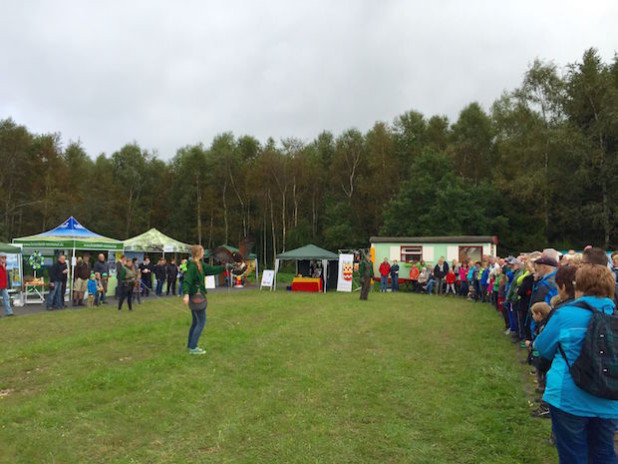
[515,262]
[92,276]
[547,261]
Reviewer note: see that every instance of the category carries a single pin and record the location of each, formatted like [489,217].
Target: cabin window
[411,253]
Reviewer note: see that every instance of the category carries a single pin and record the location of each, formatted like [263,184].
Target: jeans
[579,438]
[147,285]
[463,289]
[180,285]
[394,283]
[7,301]
[198,321]
[439,281]
[137,293]
[430,285]
[55,296]
[159,291]
[383,283]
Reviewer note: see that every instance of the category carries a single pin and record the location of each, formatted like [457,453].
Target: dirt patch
[6,392]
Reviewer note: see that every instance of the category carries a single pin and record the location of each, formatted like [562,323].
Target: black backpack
[596,369]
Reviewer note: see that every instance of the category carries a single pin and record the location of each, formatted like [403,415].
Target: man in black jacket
[172,275]
[146,269]
[439,273]
[160,273]
[57,275]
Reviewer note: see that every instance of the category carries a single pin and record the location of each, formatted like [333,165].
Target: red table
[307,284]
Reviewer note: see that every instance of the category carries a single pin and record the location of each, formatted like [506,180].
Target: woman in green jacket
[194,291]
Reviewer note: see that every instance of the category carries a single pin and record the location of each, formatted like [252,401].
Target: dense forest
[539,168]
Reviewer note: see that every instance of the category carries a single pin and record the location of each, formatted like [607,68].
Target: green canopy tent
[70,235]
[308,252]
[154,241]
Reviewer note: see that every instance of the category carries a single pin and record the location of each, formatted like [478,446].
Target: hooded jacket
[568,326]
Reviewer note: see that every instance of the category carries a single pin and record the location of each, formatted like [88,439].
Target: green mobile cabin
[430,249]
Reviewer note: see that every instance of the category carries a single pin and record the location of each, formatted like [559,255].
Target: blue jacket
[568,326]
[485,277]
[92,287]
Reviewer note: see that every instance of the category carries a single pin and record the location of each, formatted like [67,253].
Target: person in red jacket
[4,285]
[451,278]
[385,269]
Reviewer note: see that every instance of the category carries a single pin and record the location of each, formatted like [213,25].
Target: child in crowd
[99,283]
[463,279]
[92,290]
[414,274]
[450,282]
[540,313]
[423,278]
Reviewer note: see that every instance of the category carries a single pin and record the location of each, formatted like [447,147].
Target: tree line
[539,168]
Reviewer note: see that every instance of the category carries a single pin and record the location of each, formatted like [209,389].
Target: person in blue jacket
[583,424]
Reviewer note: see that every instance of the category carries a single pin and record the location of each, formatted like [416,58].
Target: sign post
[268,278]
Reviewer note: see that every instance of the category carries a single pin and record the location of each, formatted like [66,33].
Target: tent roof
[449,239]
[232,249]
[308,252]
[8,248]
[155,241]
[70,234]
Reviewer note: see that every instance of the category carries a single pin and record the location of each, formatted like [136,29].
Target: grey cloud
[167,74]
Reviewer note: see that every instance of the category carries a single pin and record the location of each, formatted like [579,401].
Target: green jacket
[195,281]
[126,275]
[511,296]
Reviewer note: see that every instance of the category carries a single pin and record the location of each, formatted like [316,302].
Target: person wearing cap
[4,285]
[544,288]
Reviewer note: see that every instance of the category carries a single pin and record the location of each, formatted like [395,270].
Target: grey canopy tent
[308,252]
[154,241]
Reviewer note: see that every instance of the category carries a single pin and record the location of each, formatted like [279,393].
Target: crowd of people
[549,304]
[134,280]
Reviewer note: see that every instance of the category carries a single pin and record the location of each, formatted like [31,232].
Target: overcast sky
[171,73]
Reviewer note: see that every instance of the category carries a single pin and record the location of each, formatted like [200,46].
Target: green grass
[288,378]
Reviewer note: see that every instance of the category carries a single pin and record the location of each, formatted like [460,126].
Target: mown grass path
[288,378]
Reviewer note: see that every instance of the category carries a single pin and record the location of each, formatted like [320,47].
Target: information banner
[13,271]
[346,272]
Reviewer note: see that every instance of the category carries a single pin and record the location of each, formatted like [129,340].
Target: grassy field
[289,378]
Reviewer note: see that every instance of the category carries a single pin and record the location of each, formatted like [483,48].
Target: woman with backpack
[583,402]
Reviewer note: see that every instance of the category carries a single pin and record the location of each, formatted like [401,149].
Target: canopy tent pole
[276,270]
[257,273]
[324,272]
[72,273]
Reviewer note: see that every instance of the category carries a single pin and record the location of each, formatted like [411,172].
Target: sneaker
[196,351]
[507,332]
[542,412]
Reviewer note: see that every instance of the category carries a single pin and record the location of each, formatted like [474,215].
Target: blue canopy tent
[70,235]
